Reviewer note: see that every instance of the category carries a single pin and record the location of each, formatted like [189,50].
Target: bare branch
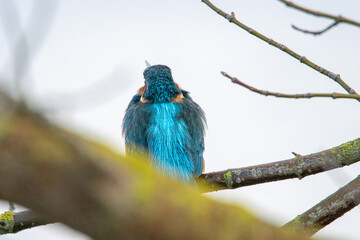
[284,95]
[298,167]
[329,209]
[15,222]
[337,19]
[231,18]
[316,32]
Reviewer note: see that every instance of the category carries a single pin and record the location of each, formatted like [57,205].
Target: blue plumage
[163,122]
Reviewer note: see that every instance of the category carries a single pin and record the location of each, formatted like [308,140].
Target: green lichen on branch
[298,167]
[7,222]
[347,151]
[228,179]
[329,209]
[297,223]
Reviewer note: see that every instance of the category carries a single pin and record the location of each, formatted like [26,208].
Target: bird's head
[159,84]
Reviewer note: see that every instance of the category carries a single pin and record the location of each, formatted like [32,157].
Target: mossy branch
[302,59]
[329,209]
[298,167]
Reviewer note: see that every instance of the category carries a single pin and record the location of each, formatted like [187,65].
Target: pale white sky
[96,51]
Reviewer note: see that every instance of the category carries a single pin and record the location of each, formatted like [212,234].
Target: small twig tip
[296,154]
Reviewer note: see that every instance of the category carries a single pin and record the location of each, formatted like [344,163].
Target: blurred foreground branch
[100,193]
[328,210]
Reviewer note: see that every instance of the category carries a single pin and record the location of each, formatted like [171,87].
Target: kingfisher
[165,124]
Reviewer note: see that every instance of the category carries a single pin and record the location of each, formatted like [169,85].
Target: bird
[163,123]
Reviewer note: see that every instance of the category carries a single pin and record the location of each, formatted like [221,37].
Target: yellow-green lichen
[237,172]
[253,172]
[297,222]
[228,179]
[347,151]
[318,209]
[7,222]
[256,172]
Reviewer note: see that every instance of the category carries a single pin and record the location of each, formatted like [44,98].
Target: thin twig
[284,95]
[11,206]
[337,19]
[298,167]
[316,32]
[329,209]
[231,18]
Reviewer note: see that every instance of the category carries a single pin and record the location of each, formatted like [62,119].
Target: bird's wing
[135,124]
[194,118]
